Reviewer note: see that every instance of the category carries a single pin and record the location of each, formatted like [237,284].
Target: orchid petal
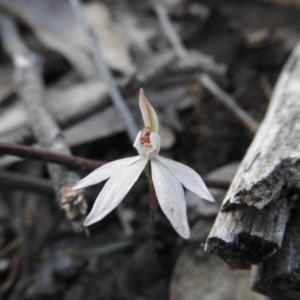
[155,142]
[114,191]
[170,195]
[137,142]
[148,113]
[188,177]
[104,172]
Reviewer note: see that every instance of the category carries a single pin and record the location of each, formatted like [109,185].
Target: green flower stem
[152,197]
[109,248]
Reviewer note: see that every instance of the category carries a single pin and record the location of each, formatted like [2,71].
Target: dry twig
[117,98]
[183,54]
[76,162]
[229,101]
[31,91]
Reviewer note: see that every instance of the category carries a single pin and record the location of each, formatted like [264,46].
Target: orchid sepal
[148,113]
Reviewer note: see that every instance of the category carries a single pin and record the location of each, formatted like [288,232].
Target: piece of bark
[31,91]
[271,161]
[279,276]
[245,235]
[252,220]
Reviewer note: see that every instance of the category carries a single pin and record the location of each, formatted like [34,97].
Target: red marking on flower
[145,138]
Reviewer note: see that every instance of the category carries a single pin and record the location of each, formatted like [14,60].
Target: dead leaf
[67,102]
[114,48]
[56,26]
[100,125]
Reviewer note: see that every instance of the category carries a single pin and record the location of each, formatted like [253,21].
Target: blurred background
[227,49]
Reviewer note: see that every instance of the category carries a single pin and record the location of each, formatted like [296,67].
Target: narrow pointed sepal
[114,191]
[104,172]
[148,113]
[188,177]
[170,196]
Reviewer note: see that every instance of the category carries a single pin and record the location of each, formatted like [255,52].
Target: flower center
[145,138]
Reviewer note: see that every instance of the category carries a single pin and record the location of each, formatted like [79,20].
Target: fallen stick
[116,96]
[229,102]
[31,92]
[251,224]
[74,162]
[206,80]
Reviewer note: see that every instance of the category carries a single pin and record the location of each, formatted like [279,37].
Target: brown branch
[26,152]
[75,162]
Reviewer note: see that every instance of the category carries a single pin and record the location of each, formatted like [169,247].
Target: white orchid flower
[168,176]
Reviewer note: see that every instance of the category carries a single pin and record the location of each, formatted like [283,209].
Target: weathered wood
[251,224]
[30,88]
[271,161]
[279,276]
[247,235]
